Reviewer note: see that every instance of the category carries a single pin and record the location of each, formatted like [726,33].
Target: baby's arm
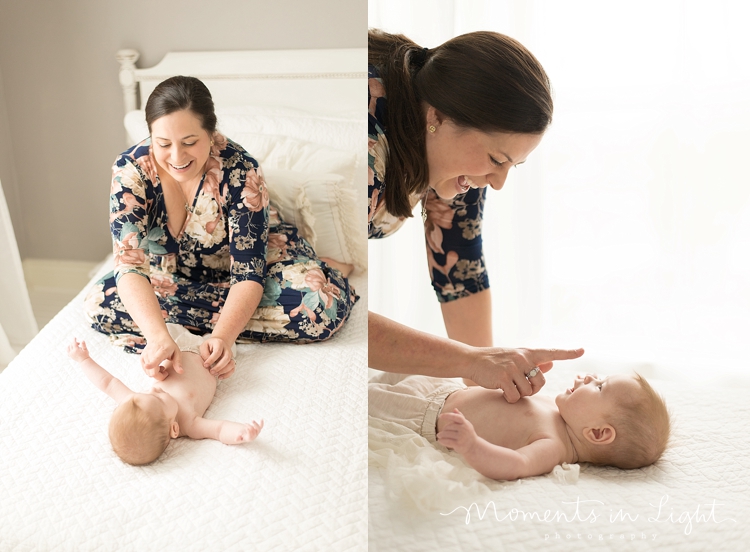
[229,433]
[494,461]
[98,375]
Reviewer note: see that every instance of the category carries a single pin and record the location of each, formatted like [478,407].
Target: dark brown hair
[482,80]
[178,93]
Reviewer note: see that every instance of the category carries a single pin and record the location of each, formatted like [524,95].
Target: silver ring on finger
[533,372]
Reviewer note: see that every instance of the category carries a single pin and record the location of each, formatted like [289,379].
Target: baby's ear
[174,430]
[603,435]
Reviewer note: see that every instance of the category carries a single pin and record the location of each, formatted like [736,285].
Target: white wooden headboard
[318,81]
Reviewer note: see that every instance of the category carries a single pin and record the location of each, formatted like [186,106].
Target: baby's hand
[78,350]
[458,434]
[233,433]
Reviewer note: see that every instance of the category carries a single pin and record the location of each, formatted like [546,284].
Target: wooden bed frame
[325,82]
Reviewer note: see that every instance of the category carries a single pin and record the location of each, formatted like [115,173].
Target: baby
[616,421]
[143,423]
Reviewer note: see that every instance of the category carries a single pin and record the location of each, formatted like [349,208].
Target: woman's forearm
[394,347]
[469,319]
[242,300]
[139,299]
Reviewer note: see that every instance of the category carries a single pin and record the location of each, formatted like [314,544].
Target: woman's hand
[217,357]
[394,347]
[156,352]
[508,369]
[139,299]
[216,351]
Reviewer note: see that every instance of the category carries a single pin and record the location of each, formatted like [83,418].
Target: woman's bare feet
[344,268]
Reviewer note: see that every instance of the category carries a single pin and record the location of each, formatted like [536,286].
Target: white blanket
[696,498]
[300,486]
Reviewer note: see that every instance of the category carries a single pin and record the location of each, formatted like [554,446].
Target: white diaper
[188,342]
[414,402]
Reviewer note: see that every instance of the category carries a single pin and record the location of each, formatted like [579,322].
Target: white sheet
[300,486]
[709,460]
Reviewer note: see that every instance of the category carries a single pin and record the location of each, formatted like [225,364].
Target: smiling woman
[440,144]
[467,158]
[182,150]
[191,223]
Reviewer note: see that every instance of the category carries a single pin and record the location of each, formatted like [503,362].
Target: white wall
[626,232]
[59,87]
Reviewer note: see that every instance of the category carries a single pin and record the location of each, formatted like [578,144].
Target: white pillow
[282,152]
[345,132]
[324,210]
[136,127]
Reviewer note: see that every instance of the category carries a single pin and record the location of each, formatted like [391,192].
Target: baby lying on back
[616,421]
[143,424]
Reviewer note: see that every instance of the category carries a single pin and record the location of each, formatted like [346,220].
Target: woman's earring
[212,142]
[432,128]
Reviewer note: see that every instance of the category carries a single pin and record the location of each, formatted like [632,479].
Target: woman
[444,124]
[196,244]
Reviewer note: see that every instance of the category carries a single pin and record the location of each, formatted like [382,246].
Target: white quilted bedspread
[696,498]
[300,486]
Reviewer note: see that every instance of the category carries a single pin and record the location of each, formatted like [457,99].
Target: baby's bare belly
[195,388]
[496,420]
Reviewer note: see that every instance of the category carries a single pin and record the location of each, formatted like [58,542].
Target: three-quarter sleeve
[453,228]
[128,219]
[377,154]
[248,219]
[453,232]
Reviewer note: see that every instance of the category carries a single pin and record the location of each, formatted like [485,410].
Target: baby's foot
[233,433]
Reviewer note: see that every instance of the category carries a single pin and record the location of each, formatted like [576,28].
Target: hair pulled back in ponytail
[482,80]
[178,93]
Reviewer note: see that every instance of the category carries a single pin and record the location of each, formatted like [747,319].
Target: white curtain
[17,323]
[627,232]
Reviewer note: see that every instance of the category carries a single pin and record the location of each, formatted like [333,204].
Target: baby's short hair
[642,427]
[136,437]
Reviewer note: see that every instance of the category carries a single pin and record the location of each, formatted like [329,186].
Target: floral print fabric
[231,235]
[453,228]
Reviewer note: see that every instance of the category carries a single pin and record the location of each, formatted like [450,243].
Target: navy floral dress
[453,228]
[231,235]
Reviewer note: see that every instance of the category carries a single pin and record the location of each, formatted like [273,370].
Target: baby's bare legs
[233,433]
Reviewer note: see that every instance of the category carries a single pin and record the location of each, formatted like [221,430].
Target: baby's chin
[560,398]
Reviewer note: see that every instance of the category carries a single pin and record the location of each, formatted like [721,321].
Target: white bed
[302,485]
[709,460]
